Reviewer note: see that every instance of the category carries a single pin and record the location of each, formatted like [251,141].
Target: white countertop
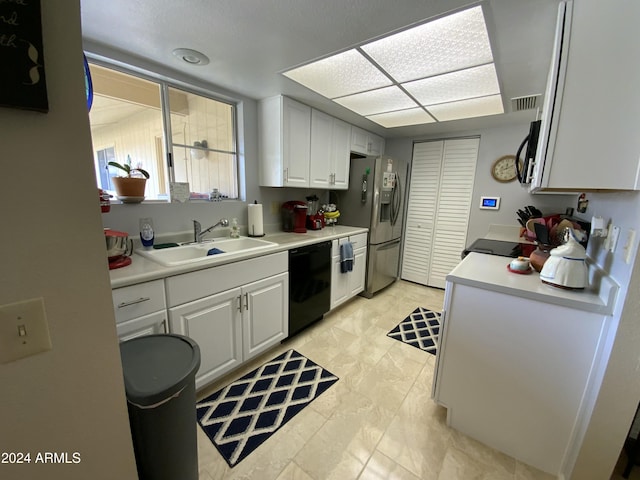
[490,273]
[144,270]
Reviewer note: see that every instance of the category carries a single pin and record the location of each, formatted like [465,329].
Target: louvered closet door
[454,207]
[421,211]
[442,176]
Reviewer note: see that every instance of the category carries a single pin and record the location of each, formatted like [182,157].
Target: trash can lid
[156,367]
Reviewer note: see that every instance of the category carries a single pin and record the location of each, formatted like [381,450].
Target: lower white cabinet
[346,285]
[234,324]
[214,323]
[140,310]
[151,324]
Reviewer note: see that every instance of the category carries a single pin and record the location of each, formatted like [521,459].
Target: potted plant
[130,188]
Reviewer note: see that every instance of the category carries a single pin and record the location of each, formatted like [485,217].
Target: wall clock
[504,168]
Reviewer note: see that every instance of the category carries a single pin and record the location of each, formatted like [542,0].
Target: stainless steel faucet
[198,233]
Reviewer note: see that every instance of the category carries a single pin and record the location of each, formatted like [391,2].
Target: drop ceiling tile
[446,44]
[412,116]
[377,101]
[475,107]
[343,74]
[449,87]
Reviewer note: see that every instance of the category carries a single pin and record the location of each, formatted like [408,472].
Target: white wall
[71,398]
[620,392]
[494,143]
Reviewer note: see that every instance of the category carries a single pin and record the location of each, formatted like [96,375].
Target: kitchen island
[519,361]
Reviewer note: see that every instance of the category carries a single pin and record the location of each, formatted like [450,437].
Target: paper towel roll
[255,226]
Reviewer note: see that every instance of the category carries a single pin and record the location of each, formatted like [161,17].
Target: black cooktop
[499,247]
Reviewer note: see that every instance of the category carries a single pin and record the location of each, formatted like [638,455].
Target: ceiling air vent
[524,103]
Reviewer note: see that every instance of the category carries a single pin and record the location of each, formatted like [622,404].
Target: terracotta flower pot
[130,187]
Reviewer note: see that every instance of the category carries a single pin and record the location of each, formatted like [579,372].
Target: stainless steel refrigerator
[375,201]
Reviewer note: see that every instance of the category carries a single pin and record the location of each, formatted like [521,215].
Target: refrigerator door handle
[388,245]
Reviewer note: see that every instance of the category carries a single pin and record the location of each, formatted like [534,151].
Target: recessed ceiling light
[475,107]
[443,45]
[377,101]
[401,118]
[342,74]
[192,57]
[450,87]
[445,65]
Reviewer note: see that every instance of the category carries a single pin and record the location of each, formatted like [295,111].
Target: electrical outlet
[628,246]
[275,208]
[23,330]
[614,233]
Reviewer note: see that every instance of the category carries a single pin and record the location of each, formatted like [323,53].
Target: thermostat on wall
[490,203]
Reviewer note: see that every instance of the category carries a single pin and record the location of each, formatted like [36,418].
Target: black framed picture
[22,81]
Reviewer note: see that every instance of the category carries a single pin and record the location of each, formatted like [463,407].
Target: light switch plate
[23,330]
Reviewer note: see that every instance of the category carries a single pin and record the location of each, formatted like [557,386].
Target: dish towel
[346,257]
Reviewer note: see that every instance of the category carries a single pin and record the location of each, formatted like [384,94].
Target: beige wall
[69,399]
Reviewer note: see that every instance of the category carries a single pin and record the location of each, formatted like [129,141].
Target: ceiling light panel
[412,116]
[444,45]
[343,74]
[472,82]
[377,101]
[475,107]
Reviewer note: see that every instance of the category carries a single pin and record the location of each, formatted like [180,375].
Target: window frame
[165,82]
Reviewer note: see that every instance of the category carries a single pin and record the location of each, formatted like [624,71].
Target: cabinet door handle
[239,303]
[133,302]
[246,301]
[286,174]
[163,326]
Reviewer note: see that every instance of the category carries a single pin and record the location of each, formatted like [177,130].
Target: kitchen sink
[199,252]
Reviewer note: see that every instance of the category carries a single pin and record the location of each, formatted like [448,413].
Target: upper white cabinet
[285,140]
[597,112]
[302,147]
[330,145]
[366,143]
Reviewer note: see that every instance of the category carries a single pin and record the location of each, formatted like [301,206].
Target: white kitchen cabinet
[285,142]
[152,324]
[330,143]
[233,312]
[366,143]
[600,150]
[140,309]
[215,323]
[516,361]
[347,285]
[265,314]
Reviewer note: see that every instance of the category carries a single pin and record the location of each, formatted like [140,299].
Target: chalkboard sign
[22,80]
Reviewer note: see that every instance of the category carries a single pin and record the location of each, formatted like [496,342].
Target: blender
[315,217]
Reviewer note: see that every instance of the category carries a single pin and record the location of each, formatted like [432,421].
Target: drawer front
[359,240]
[138,300]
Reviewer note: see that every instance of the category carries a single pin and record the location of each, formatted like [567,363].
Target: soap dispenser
[235,230]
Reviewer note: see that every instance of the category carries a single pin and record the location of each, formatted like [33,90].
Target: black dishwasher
[309,284]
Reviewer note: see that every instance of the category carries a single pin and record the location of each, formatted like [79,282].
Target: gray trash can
[159,379]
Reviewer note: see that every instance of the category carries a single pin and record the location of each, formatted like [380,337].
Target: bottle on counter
[235,230]
[147,234]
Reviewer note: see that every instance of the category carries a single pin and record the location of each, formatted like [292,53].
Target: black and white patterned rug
[241,416]
[421,329]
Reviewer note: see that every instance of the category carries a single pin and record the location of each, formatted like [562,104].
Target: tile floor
[378,421]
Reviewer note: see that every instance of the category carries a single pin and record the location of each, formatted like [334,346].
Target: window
[199,135]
